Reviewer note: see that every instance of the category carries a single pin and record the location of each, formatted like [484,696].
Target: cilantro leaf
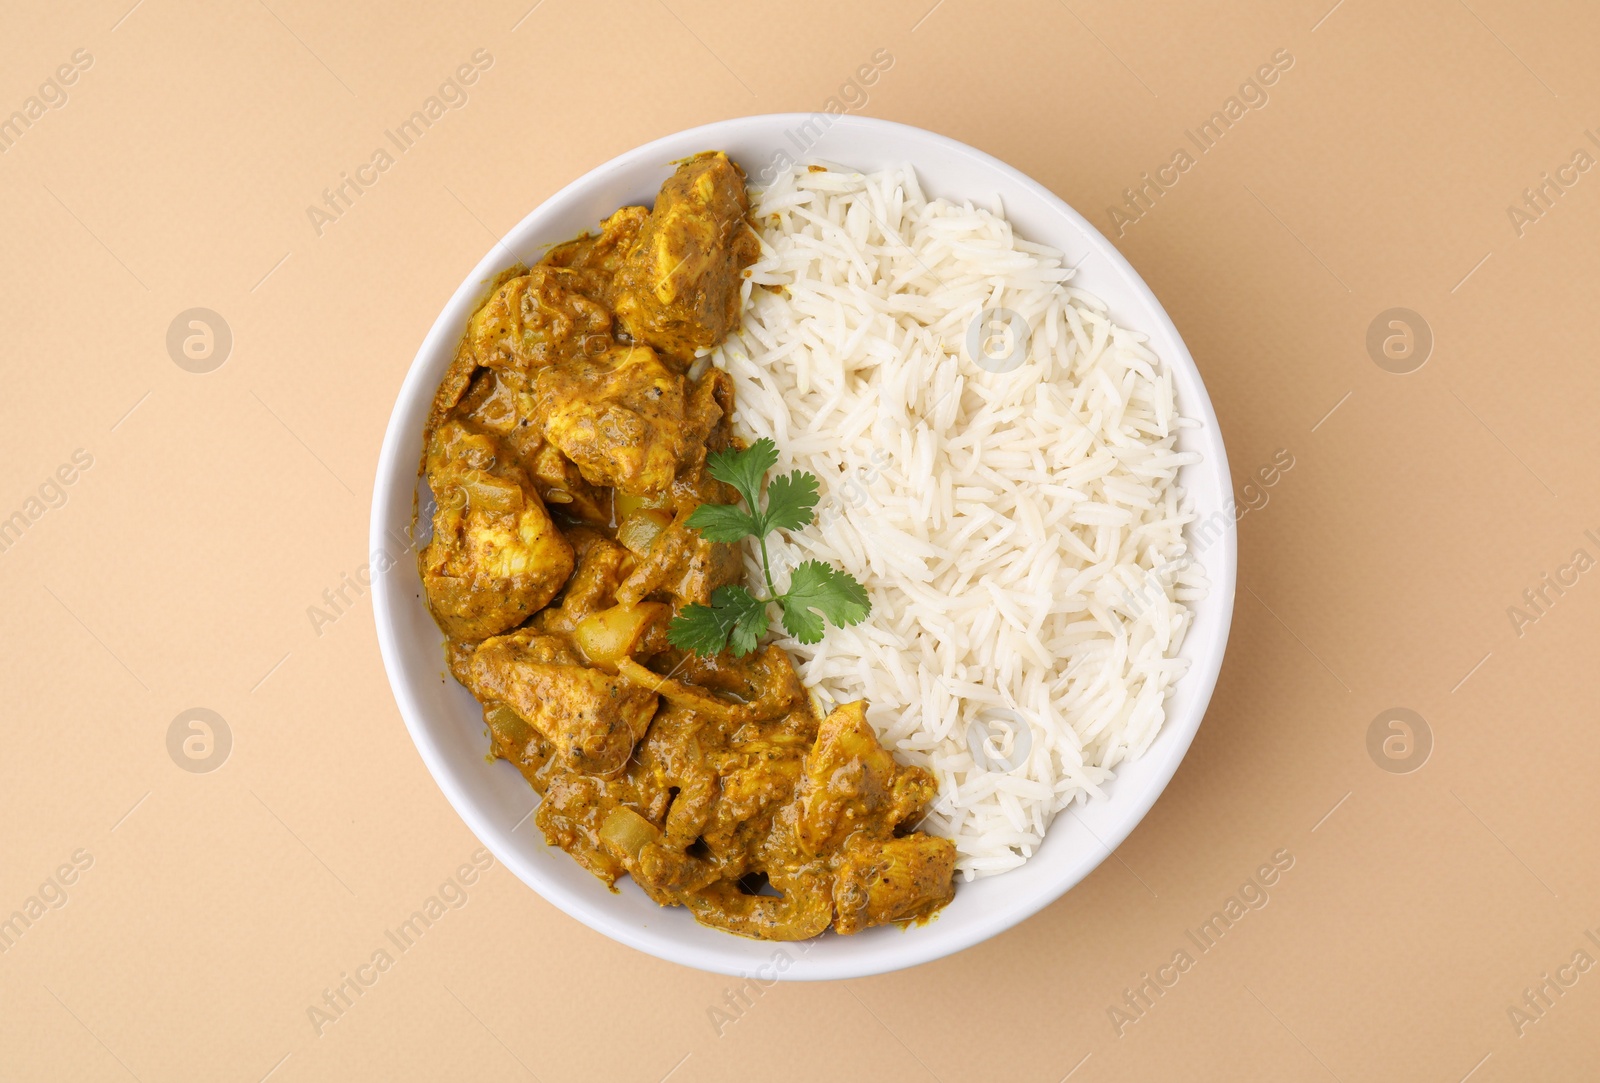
[749,617]
[723,522]
[706,629]
[700,629]
[744,469]
[820,587]
[789,501]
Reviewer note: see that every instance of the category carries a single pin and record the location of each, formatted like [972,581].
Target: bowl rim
[395,480]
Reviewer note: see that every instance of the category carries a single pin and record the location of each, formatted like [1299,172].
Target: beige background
[219,507]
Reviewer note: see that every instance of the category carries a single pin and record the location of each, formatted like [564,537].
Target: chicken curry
[565,450]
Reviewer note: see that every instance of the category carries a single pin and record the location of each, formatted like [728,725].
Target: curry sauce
[565,450]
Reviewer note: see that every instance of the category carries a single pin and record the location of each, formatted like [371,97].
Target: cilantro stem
[766,570]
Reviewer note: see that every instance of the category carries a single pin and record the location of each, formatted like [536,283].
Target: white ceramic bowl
[494,800]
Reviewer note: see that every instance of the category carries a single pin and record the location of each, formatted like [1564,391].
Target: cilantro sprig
[736,619]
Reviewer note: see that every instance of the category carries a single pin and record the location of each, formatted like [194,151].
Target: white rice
[1020,533]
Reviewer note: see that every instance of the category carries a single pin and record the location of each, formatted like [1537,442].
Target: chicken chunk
[571,815]
[710,410]
[495,557]
[678,289]
[500,402]
[851,780]
[537,319]
[597,257]
[708,428]
[684,565]
[592,718]
[887,880]
[755,777]
[797,915]
[618,416]
[512,739]
[763,683]
[593,584]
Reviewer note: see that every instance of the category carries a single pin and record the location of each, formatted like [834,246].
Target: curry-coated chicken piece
[537,319]
[500,402]
[592,718]
[598,257]
[763,684]
[852,784]
[755,778]
[495,557]
[458,379]
[708,428]
[796,915]
[571,815]
[884,880]
[683,564]
[593,585]
[710,411]
[678,289]
[561,484]
[530,318]
[497,401]
[511,738]
[618,416]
